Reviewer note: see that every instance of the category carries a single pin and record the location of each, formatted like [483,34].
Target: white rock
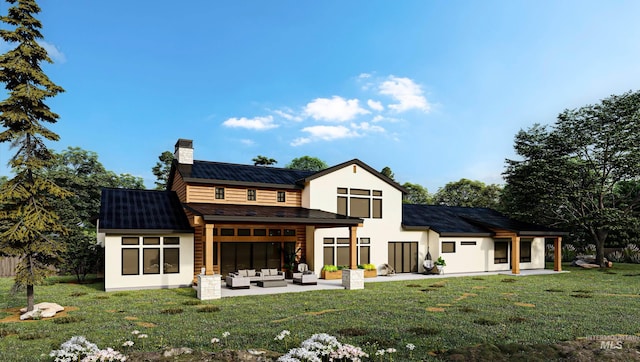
[41,310]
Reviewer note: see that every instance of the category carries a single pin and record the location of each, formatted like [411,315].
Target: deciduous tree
[31,223]
[469,193]
[307,163]
[417,194]
[581,172]
[387,172]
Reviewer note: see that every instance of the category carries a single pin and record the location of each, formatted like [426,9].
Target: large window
[155,255]
[359,203]
[336,251]
[403,256]
[501,252]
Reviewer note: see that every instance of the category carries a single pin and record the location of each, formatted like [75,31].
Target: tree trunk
[600,236]
[29,297]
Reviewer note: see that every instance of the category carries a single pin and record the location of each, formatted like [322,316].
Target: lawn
[435,315]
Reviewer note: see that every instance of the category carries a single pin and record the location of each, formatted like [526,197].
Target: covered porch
[233,237]
[515,247]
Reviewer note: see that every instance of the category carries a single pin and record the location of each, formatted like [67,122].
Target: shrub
[330,268]
[569,252]
[616,256]
[78,348]
[631,252]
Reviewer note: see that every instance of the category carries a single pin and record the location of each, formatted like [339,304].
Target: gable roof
[124,210]
[361,164]
[238,174]
[460,221]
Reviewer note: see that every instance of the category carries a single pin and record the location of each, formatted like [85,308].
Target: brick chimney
[184,152]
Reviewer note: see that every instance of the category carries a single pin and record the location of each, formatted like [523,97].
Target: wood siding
[8,266]
[238,196]
[179,187]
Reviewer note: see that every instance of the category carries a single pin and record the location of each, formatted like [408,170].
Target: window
[289,232]
[251,195]
[501,252]
[130,240]
[219,193]
[359,207]
[467,243]
[359,203]
[525,251]
[448,246]
[227,232]
[151,260]
[171,240]
[152,257]
[130,261]
[377,208]
[259,232]
[275,232]
[342,205]
[151,241]
[244,232]
[336,251]
[282,196]
[171,263]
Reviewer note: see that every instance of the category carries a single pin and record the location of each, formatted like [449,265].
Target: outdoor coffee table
[271,283]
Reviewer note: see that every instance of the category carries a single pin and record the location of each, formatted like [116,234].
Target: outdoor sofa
[243,277]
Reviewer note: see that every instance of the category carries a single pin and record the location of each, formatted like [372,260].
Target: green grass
[455,313]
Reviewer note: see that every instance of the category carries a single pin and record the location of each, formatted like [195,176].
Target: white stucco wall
[321,193]
[114,280]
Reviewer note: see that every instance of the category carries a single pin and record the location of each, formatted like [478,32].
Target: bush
[330,268]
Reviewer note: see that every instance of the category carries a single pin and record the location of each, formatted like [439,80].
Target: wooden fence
[8,266]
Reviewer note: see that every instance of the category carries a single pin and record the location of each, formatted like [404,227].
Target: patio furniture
[304,276]
[270,274]
[272,283]
[238,282]
[249,273]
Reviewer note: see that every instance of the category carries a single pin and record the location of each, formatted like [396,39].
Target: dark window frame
[219,193]
[452,243]
[252,195]
[281,196]
[122,252]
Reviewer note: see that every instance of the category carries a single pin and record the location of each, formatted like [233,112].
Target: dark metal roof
[125,209]
[448,220]
[203,171]
[269,214]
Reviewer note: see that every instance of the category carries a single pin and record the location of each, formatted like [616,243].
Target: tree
[162,168]
[469,193]
[81,172]
[307,163]
[416,194]
[387,172]
[582,172]
[30,222]
[263,161]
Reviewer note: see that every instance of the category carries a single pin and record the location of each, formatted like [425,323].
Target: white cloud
[288,114]
[329,133]
[377,118]
[336,109]
[54,53]
[375,105]
[364,76]
[247,142]
[367,127]
[406,92]
[300,141]
[257,123]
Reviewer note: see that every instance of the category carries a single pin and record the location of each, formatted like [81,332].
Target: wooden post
[515,254]
[353,251]
[208,249]
[557,253]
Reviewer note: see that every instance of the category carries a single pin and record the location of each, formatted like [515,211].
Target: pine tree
[30,223]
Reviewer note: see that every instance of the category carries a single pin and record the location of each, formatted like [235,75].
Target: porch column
[515,254]
[353,252]
[557,253]
[208,249]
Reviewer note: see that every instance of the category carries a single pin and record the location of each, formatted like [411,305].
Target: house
[219,217]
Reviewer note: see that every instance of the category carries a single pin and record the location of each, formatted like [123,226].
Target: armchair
[304,276]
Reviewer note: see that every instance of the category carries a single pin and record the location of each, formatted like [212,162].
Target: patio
[337,283]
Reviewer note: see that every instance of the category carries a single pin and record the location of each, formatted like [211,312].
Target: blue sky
[436,90]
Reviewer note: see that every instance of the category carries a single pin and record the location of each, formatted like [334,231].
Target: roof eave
[146,231]
[281,220]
